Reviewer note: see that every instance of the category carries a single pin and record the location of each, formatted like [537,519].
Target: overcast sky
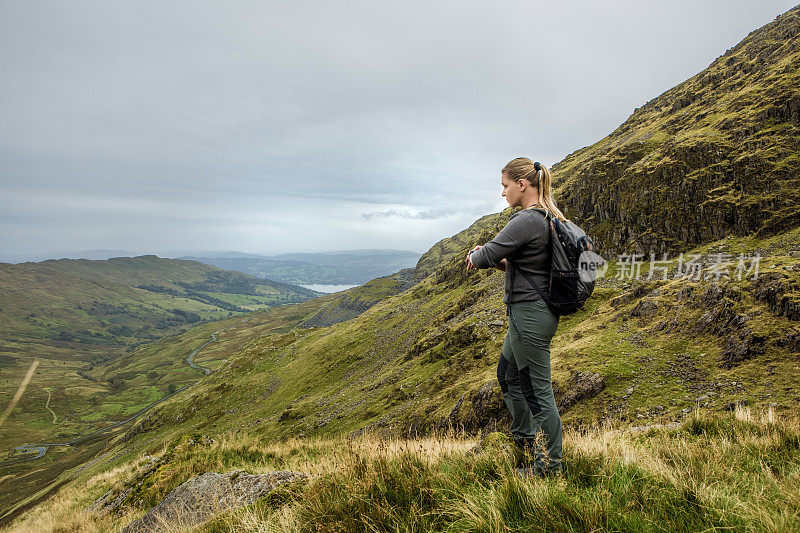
[271,127]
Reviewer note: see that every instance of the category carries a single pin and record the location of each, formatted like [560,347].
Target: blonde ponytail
[538,176]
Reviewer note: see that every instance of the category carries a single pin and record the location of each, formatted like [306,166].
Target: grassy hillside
[54,409]
[732,472]
[713,156]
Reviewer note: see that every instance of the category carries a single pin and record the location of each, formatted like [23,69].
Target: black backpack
[572,268]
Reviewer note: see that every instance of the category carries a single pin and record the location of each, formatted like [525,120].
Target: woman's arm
[499,266]
[516,233]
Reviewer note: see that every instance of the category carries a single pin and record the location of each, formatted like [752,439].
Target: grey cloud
[421,215]
[430,213]
[391,114]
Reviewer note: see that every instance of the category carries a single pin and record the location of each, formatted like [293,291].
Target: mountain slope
[715,155]
[424,359]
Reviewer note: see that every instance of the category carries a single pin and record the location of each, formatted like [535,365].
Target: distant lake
[328,288]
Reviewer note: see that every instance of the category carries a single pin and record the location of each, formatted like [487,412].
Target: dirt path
[47,406]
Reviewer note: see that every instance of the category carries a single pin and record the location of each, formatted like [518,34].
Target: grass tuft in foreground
[731,471]
[715,471]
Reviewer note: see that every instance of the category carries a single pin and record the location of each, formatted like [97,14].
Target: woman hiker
[524,367]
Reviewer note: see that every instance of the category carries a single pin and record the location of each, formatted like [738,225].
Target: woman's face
[511,191]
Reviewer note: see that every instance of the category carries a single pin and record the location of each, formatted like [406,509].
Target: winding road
[41,448]
[190,359]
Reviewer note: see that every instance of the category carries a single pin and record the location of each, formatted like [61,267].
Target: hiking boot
[527,455]
[523,455]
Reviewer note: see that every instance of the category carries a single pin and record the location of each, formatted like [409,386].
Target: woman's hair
[538,176]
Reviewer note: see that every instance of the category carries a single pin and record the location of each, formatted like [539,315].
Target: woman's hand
[501,265]
[468,260]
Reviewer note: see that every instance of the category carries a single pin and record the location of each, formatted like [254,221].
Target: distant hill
[125,300]
[352,267]
[73,254]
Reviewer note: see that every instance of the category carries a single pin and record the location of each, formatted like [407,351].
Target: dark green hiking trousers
[524,376]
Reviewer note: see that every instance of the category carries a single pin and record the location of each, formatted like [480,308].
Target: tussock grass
[732,472]
[716,471]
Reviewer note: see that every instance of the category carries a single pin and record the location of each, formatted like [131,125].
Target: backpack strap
[542,210]
[535,286]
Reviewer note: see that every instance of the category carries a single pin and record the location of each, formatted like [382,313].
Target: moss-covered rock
[500,444]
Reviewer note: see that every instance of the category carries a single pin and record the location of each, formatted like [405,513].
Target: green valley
[71,315]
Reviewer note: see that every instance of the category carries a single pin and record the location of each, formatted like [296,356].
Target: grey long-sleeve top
[525,240]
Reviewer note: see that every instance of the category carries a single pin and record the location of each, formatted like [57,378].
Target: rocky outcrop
[740,347]
[204,496]
[725,318]
[779,292]
[722,310]
[114,500]
[486,411]
[153,420]
[479,412]
[646,308]
[790,342]
[636,291]
[581,386]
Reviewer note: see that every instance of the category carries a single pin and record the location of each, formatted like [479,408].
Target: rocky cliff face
[714,156]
